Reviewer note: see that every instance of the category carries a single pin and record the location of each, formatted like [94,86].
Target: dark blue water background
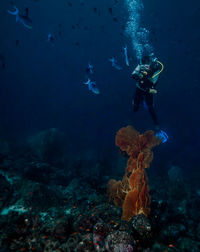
[42,85]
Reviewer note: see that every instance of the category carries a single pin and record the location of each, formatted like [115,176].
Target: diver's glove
[153,91]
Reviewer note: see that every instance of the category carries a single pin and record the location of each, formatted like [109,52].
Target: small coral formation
[132,193]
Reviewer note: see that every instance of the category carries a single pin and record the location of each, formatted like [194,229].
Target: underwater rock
[158,215]
[5,191]
[177,211]
[176,188]
[101,229]
[120,241]
[49,145]
[99,233]
[21,231]
[30,232]
[175,173]
[198,232]
[85,223]
[157,247]
[43,198]
[36,196]
[63,229]
[178,191]
[172,232]
[193,206]
[38,172]
[142,228]
[187,244]
[79,192]
[47,174]
[85,244]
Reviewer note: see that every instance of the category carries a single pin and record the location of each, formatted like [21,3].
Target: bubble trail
[139,35]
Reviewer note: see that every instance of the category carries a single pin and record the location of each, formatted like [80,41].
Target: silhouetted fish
[50,38]
[92,86]
[23,19]
[89,69]
[114,63]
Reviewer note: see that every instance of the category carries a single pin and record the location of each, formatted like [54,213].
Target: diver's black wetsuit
[142,92]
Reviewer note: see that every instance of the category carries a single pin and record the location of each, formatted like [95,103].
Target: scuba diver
[146,74]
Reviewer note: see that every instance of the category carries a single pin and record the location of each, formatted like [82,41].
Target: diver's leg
[137,99]
[149,102]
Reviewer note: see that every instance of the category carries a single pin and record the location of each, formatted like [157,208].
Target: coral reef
[44,207]
[132,193]
[120,241]
[36,216]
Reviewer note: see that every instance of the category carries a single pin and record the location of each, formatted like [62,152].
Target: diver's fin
[162,135]
[15,13]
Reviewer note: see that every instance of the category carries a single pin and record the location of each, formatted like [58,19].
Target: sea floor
[46,208]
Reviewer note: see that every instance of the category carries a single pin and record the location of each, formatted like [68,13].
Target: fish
[90,69]
[23,19]
[50,38]
[114,63]
[92,86]
[110,11]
